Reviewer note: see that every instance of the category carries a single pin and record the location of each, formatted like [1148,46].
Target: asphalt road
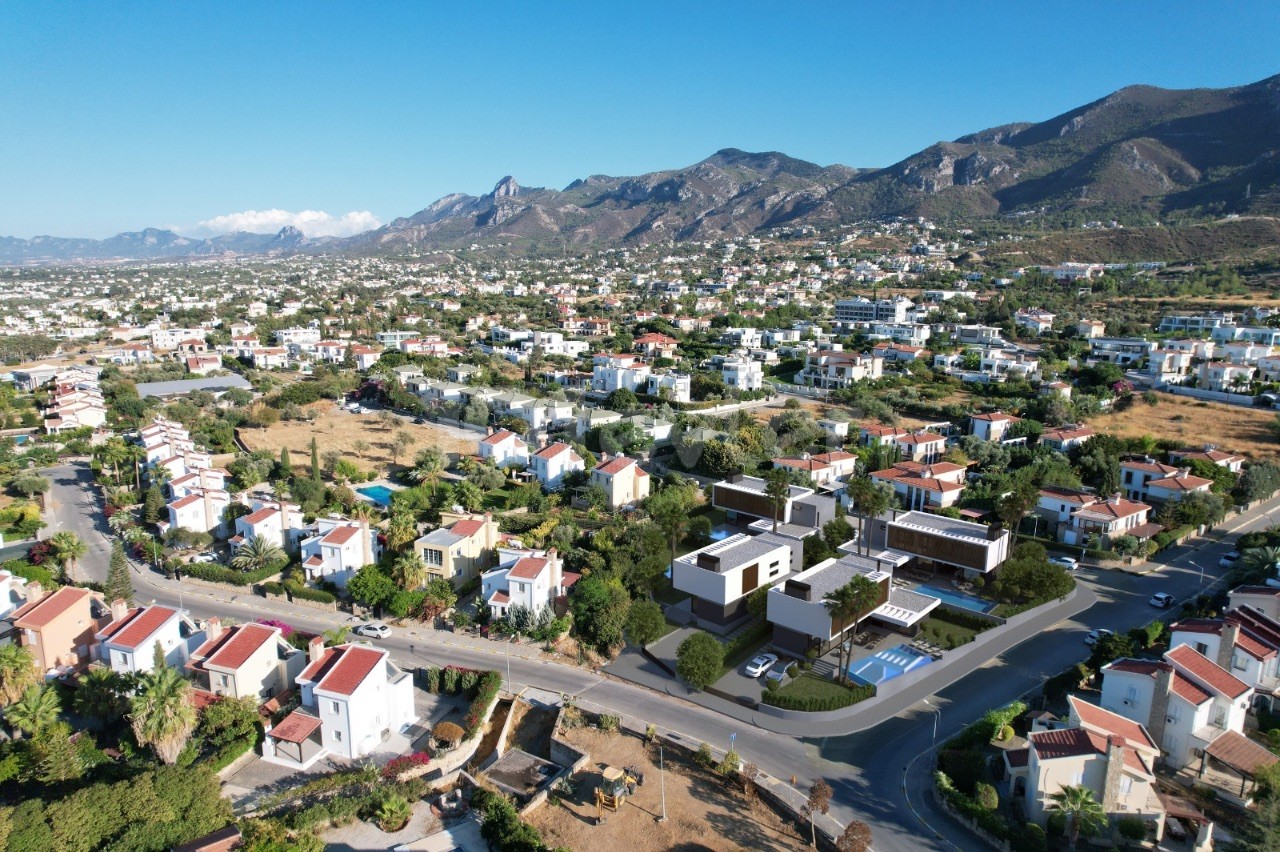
[72,504]
[880,775]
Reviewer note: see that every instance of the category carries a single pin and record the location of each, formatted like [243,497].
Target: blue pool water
[959,599]
[21,439]
[379,494]
[887,665]
[721,533]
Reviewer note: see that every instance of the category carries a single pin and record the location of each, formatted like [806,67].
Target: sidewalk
[1196,542]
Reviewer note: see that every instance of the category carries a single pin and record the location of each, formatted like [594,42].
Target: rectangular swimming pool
[957,599]
[379,494]
[887,665]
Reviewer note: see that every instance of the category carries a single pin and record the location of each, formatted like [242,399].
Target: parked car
[419,421]
[777,673]
[1092,637]
[1161,600]
[204,558]
[760,664]
[1066,562]
[374,630]
[1230,559]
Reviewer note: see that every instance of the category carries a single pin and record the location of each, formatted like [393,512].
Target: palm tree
[17,672]
[778,490]
[113,453]
[852,600]
[871,501]
[1259,561]
[163,713]
[401,530]
[362,512]
[409,571]
[427,464]
[68,550]
[35,711]
[258,553]
[100,695]
[1084,813]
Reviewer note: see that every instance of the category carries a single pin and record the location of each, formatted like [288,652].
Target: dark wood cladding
[938,547]
[756,505]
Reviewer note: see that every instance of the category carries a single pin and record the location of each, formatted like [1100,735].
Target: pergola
[295,729]
[1239,754]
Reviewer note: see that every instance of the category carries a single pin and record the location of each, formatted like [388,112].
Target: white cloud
[313,223]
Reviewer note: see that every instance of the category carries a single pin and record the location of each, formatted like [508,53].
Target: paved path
[73,504]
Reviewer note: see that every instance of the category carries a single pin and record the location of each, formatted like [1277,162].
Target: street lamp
[1201,569]
[662,784]
[937,716]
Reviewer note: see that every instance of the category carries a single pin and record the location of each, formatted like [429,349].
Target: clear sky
[118,116]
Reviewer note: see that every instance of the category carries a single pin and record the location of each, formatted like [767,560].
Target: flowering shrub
[399,765]
[39,553]
[285,630]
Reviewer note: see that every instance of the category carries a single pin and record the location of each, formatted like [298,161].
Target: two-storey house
[245,661]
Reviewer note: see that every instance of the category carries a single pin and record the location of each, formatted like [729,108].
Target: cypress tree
[315,460]
[286,469]
[153,504]
[119,582]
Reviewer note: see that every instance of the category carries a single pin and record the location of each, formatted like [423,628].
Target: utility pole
[662,784]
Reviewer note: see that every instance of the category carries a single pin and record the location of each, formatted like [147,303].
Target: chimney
[557,570]
[1227,640]
[1115,767]
[315,649]
[213,629]
[995,530]
[119,609]
[1160,703]
[1114,500]
[35,591]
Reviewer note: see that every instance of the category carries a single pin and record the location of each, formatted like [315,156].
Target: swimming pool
[721,533]
[379,494]
[887,665]
[959,599]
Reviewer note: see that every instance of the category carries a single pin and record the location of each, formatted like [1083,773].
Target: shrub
[219,574]
[391,771]
[793,670]
[449,680]
[817,704]
[433,680]
[1004,734]
[306,593]
[486,694]
[966,768]
[986,796]
[730,765]
[609,723]
[1132,828]
[467,682]
[703,758]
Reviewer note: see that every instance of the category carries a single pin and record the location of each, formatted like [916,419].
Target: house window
[1077,778]
[433,557]
[337,736]
[335,707]
[224,680]
[1202,648]
[1238,662]
[1131,696]
[1219,716]
[1126,784]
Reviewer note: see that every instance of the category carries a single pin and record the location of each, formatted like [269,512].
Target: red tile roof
[1206,671]
[527,568]
[1017,757]
[237,645]
[927,438]
[348,666]
[259,516]
[119,624]
[500,436]
[1149,467]
[1077,742]
[1183,686]
[340,535]
[183,502]
[553,450]
[1184,482]
[1116,508]
[295,728]
[500,597]
[467,527]
[39,613]
[143,627]
[1093,716]
[617,465]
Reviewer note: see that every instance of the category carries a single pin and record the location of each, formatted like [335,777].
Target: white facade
[338,549]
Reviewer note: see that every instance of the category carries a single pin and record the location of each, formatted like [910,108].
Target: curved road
[880,775]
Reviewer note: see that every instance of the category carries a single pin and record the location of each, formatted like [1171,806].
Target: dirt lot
[1233,428]
[703,814]
[339,430]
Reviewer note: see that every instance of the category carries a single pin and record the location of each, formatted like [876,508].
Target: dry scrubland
[339,431]
[704,814]
[1233,428]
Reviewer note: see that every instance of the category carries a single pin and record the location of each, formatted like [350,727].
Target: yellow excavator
[616,785]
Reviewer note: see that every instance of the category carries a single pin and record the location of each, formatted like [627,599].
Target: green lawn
[668,594]
[812,692]
[945,634]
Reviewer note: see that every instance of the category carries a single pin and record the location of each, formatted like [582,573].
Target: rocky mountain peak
[506,188]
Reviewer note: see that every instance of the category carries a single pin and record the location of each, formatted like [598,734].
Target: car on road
[1161,600]
[374,630]
[419,421]
[1065,562]
[204,558]
[1092,637]
[760,664]
[1230,559]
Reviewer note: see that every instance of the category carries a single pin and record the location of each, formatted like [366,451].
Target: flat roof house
[938,541]
[721,575]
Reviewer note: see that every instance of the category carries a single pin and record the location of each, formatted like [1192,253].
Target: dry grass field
[339,431]
[704,814]
[1231,427]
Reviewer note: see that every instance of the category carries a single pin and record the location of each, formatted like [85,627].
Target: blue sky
[125,115]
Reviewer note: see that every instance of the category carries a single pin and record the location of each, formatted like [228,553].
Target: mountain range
[1142,148]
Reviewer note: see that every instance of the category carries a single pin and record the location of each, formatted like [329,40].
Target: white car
[1066,562]
[1092,637]
[204,558]
[760,664]
[1161,600]
[1230,559]
[374,630]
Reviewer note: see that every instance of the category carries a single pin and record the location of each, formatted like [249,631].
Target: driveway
[72,504]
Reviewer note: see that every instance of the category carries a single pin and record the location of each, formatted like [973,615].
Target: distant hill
[1159,151]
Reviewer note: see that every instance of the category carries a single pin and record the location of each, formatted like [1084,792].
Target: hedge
[230,753]
[297,590]
[816,704]
[219,574]
[272,588]
[963,619]
[486,694]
